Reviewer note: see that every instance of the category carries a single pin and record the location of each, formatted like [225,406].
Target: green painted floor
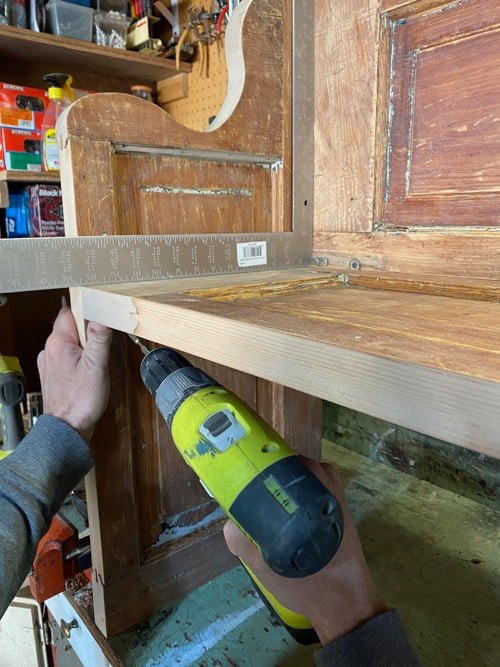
[222,623]
[435,556]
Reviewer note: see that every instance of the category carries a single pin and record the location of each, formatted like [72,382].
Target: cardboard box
[22,108]
[140,31]
[20,149]
[45,210]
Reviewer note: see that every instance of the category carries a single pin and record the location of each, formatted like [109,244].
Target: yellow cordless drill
[12,392]
[256,478]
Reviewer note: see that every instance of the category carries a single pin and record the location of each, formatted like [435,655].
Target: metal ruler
[48,263]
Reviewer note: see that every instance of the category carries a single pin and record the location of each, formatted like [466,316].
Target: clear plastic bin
[70,20]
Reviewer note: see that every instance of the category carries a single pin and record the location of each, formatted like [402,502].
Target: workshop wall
[453,468]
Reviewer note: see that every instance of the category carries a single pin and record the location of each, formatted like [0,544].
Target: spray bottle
[60,96]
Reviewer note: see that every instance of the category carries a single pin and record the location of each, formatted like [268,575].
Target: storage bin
[70,20]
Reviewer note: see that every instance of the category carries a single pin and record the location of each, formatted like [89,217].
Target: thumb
[98,344]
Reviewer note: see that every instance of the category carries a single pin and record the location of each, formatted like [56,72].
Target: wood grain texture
[4,194]
[346,93]
[19,176]
[184,196]
[397,9]
[443,141]
[467,255]
[429,363]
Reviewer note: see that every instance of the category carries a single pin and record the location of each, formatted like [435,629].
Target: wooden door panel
[445,105]
[406,136]
[178,195]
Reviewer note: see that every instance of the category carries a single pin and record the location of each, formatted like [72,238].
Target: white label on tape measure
[252,254]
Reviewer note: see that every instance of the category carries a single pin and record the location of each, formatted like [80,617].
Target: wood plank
[19,176]
[454,335]
[286,282]
[425,362]
[4,194]
[467,254]
[172,89]
[187,196]
[20,44]
[398,8]
[346,94]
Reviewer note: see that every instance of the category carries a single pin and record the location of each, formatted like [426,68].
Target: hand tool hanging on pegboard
[206,27]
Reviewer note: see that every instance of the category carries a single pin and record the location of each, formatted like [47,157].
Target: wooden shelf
[26,45]
[29,177]
[421,360]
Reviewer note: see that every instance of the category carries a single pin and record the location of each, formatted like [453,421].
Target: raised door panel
[192,196]
[406,123]
[444,139]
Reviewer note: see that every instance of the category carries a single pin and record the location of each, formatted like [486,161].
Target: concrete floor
[434,554]
[222,623]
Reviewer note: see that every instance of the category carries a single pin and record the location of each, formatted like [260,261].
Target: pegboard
[205,95]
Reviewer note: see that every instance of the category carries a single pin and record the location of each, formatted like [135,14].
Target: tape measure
[48,263]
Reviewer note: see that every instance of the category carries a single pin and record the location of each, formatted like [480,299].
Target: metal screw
[355,264]
[320,261]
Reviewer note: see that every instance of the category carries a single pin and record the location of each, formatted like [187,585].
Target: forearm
[34,480]
[380,641]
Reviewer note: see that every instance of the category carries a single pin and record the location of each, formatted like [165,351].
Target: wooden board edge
[436,253]
[449,406]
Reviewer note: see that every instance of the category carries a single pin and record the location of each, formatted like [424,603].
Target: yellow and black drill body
[12,393]
[256,478]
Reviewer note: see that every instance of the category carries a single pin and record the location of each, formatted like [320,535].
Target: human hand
[338,598]
[75,381]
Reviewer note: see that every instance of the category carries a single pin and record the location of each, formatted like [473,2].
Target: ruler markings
[34,264]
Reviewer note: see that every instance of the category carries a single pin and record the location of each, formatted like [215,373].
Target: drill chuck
[183,380]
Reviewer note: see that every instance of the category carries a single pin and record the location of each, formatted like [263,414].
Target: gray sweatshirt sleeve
[380,642]
[34,480]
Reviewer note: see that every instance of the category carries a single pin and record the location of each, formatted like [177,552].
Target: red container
[22,108]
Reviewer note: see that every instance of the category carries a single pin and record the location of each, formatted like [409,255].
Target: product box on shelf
[45,210]
[22,108]
[16,216]
[20,149]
